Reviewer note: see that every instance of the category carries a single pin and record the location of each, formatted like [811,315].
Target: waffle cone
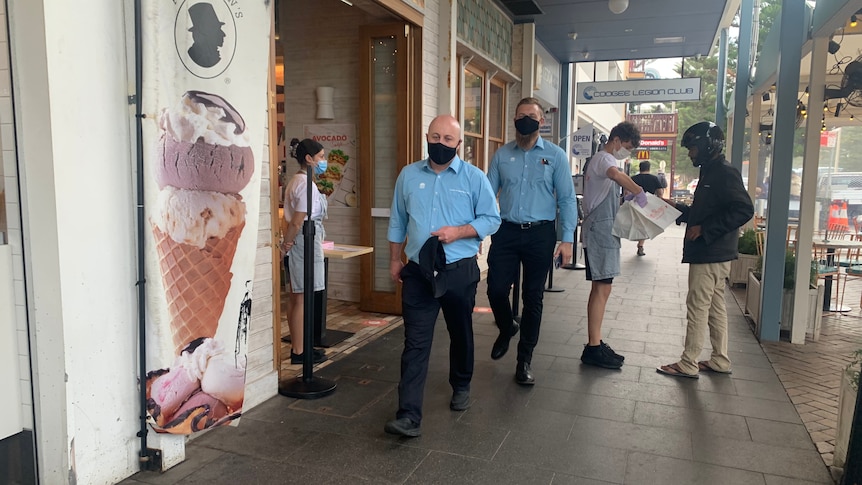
[196,282]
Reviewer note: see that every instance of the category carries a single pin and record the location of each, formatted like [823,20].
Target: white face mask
[622,153]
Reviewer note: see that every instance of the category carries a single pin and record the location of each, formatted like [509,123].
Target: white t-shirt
[597,185]
[295,198]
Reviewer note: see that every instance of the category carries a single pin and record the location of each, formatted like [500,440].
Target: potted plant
[815,295]
[747,260]
[846,406]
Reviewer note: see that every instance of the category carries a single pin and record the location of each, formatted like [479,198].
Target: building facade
[69,322]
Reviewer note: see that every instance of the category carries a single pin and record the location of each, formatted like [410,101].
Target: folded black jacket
[720,206]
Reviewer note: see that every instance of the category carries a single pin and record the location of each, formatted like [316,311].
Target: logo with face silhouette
[205,36]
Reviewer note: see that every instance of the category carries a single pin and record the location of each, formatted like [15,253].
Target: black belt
[527,225]
[459,263]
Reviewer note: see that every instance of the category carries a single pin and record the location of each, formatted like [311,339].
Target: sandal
[675,371]
[704,366]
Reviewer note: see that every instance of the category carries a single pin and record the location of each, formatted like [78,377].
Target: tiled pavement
[811,373]
[576,425]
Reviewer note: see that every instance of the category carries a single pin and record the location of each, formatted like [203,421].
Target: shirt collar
[455,166]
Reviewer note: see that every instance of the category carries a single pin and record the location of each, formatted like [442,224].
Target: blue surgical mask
[320,167]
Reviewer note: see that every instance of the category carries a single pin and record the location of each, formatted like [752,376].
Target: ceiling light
[628,31]
[348,2]
[586,54]
[618,6]
[852,20]
[668,40]
[573,35]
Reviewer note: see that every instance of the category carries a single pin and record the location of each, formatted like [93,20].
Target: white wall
[96,234]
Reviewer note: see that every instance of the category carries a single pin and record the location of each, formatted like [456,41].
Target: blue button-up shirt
[425,201]
[533,184]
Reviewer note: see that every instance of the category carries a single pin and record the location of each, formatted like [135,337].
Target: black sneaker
[596,355]
[607,348]
[403,427]
[641,251]
[319,356]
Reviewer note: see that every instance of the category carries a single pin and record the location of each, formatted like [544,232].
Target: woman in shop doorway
[310,156]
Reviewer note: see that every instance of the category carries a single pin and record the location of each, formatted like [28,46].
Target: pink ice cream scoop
[204,146]
[169,391]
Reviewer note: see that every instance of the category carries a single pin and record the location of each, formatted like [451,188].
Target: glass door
[390,138]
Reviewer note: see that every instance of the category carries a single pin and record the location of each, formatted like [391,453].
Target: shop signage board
[582,141]
[639,91]
[653,124]
[205,76]
[653,145]
[338,183]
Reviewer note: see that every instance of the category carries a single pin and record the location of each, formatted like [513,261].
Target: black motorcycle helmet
[707,137]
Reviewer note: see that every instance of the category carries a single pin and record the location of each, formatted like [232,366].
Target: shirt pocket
[542,177]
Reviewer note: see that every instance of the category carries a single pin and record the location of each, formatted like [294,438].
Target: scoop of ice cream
[199,165]
[205,116]
[193,216]
[170,390]
[225,380]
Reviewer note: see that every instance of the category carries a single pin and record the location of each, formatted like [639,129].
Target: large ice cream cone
[196,282]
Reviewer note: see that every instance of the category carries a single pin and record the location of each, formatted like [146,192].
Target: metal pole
[743,77]
[720,104]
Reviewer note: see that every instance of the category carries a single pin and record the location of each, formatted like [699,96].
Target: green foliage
[852,369]
[789,270]
[748,242]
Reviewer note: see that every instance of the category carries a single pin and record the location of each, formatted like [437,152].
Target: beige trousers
[706,309]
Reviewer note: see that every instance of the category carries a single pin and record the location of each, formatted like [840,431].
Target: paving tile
[197,458]
[779,434]
[446,468]
[567,457]
[693,421]
[773,391]
[244,469]
[583,404]
[778,480]
[744,406]
[647,469]
[543,422]
[375,460]
[649,439]
[759,457]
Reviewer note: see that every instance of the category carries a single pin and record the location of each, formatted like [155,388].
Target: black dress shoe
[404,427]
[523,374]
[460,401]
[501,345]
[319,356]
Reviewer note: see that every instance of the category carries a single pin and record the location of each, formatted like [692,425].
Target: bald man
[443,207]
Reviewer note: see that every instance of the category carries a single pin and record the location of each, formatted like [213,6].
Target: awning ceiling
[647,29]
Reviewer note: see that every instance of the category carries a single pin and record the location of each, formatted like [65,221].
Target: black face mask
[440,153]
[526,125]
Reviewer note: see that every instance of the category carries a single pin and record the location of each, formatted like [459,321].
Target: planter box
[815,307]
[846,405]
[739,268]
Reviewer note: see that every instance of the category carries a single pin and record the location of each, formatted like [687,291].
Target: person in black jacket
[720,206]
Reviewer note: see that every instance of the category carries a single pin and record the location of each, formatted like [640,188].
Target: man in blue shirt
[441,201]
[534,180]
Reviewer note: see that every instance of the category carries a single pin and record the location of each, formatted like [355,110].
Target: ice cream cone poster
[204,97]
[338,183]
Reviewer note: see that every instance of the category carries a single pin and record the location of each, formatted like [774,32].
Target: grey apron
[296,255]
[603,247]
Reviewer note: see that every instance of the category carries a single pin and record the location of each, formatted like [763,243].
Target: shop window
[496,116]
[483,135]
[474,83]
